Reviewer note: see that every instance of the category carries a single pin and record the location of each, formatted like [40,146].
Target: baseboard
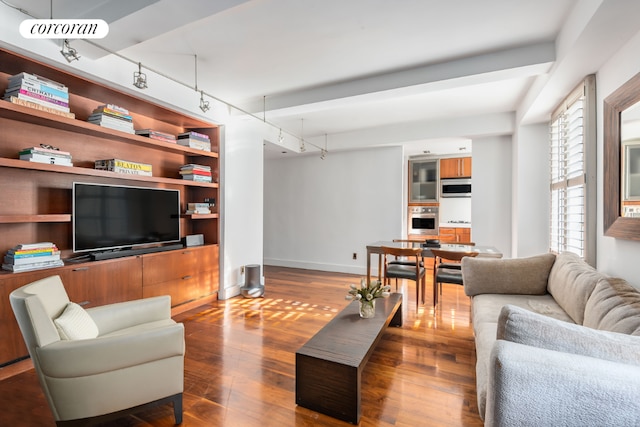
[306,265]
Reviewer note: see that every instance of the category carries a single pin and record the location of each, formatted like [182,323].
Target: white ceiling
[337,67]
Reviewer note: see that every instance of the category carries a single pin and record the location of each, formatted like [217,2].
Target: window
[572,144]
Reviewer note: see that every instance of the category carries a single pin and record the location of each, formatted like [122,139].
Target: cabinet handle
[186,277]
[84,303]
[81,269]
[186,252]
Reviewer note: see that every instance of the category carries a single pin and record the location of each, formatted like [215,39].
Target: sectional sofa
[557,343]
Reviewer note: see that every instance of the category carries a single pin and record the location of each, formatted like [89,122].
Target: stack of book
[198,208]
[31,90]
[32,256]
[46,155]
[195,140]
[154,134]
[113,117]
[124,166]
[195,172]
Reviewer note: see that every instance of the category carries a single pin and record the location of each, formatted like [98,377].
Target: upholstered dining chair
[447,269]
[104,362]
[411,270]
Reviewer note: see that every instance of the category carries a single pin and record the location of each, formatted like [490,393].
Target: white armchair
[116,359]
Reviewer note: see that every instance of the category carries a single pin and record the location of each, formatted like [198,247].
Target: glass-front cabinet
[423,180]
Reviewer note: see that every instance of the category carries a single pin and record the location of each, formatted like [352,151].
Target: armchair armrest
[531,386]
[68,359]
[522,276]
[123,315]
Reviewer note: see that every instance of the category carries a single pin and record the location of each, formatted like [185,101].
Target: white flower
[385,294]
[369,297]
[358,297]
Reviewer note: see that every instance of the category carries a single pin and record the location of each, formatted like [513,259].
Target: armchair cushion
[525,327]
[75,323]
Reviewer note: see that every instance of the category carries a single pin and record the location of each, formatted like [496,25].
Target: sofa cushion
[507,276]
[75,323]
[485,337]
[525,327]
[614,305]
[486,308]
[571,282]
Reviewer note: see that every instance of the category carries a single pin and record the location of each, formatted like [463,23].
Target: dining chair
[414,271]
[447,269]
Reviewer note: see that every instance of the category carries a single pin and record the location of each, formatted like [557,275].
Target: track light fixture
[302,147]
[323,154]
[139,78]
[69,53]
[204,105]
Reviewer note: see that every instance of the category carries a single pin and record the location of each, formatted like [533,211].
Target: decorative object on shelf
[32,256]
[198,208]
[124,166]
[160,136]
[46,154]
[38,90]
[113,117]
[366,296]
[194,172]
[195,140]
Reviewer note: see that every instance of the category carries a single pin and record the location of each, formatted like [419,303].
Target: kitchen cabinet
[456,167]
[423,181]
[455,234]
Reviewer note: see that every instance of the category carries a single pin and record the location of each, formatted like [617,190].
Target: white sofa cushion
[525,327]
[614,305]
[75,323]
[571,282]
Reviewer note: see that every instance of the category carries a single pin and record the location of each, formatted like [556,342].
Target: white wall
[319,212]
[242,200]
[616,257]
[491,197]
[531,190]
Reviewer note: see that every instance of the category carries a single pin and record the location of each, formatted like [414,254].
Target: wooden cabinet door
[457,167]
[104,282]
[447,235]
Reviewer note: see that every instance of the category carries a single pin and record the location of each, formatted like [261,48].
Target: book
[194,135]
[32,252]
[33,266]
[194,143]
[47,159]
[36,78]
[26,89]
[8,259]
[195,166]
[39,107]
[154,134]
[31,246]
[35,84]
[45,152]
[112,108]
[196,172]
[124,166]
[198,178]
[36,100]
[195,206]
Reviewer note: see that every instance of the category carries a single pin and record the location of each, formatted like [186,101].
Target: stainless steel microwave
[460,187]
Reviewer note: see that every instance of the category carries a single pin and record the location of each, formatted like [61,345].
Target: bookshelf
[36,199]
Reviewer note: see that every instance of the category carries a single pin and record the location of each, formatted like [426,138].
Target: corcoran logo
[64,28]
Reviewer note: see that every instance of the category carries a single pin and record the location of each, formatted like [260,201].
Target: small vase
[367,308]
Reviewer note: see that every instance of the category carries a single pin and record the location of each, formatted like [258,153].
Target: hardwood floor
[240,362]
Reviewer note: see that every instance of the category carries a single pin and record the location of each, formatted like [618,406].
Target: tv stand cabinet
[36,201]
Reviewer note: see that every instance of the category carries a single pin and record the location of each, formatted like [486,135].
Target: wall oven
[423,220]
[458,187]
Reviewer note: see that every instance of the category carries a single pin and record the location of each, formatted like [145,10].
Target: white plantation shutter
[572,145]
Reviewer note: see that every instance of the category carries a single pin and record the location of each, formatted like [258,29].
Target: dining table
[376,248]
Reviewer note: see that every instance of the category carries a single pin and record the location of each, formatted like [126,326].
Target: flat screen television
[108,217]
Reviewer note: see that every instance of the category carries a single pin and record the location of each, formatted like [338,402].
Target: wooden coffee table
[329,366]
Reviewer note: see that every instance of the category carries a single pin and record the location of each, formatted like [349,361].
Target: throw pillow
[614,305]
[521,326]
[521,276]
[571,282]
[75,323]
